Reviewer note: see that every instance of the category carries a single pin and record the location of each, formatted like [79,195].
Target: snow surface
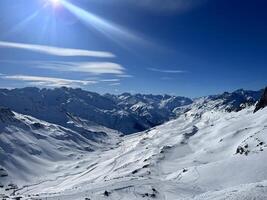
[204,154]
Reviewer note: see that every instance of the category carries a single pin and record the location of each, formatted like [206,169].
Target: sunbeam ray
[23,23]
[105,27]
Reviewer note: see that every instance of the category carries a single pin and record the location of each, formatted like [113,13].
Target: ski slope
[211,154]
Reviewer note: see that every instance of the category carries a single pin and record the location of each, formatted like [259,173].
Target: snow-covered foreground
[208,155]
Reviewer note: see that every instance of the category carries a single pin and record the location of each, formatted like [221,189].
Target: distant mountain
[126,113]
[236,100]
[152,109]
[228,102]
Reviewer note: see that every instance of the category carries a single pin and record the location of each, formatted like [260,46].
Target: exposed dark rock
[242,150]
[106,193]
[154,190]
[6,114]
[239,150]
[38,125]
[262,102]
[145,166]
[185,170]
[17,198]
[6,111]
[135,171]
[149,195]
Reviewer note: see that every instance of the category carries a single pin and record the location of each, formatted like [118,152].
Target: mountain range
[69,143]
[126,113]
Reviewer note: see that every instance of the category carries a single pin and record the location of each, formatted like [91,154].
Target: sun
[55,2]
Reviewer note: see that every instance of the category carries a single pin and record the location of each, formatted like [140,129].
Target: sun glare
[55,2]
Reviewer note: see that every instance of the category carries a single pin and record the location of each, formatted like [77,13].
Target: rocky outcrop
[6,114]
[262,102]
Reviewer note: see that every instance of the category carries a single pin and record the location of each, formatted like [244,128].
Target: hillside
[127,113]
[206,153]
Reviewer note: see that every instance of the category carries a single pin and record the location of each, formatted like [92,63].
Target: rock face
[262,102]
[6,114]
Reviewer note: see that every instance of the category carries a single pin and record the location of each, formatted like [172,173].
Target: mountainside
[155,109]
[229,102]
[262,103]
[32,146]
[54,105]
[126,113]
[208,152]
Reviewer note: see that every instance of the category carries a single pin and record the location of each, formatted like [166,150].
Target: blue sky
[182,47]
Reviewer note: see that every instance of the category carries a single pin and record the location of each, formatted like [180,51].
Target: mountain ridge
[181,159]
[126,113]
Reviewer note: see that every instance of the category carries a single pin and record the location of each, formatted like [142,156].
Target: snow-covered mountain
[27,143]
[214,149]
[126,114]
[153,109]
[229,102]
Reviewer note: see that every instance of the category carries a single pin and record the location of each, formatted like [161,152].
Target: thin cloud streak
[56,51]
[96,68]
[114,84]
[168,71]
[49,81]
[110,80]
[125,76]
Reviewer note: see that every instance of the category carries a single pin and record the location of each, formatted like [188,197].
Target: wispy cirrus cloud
[167,71]
[48,81]
[114,84]
[95,68]
[99,69]
[125,76]
[56,51]
[110,80]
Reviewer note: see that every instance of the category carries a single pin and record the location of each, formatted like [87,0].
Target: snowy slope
[30,148]
[215,155]
[208,152]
